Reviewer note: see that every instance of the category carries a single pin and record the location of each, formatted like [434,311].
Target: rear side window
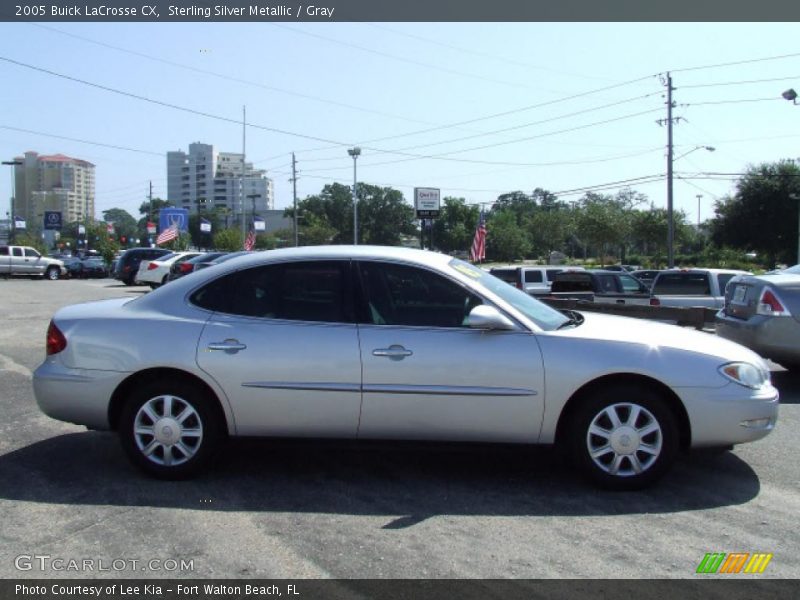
[533,276]
[16,251]
[607,284]
[682,284]
[301,291]
[629,284]
[723,279]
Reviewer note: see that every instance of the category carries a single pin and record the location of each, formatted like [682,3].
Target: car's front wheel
[52,273]
[169,429]
[624,437]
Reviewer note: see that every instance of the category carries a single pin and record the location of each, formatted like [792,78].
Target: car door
[428,375]
[283,345]
[33,263]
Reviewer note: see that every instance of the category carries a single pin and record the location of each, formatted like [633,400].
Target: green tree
[762,214]
[505,240]
[383,216]
[454,230]
[228,240]
[315,231]
[602,222]
[124,223]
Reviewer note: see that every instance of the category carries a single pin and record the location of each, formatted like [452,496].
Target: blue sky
[503,107]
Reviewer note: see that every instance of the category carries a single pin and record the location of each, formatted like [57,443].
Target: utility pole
[670,159]
[241,198]
[294,199]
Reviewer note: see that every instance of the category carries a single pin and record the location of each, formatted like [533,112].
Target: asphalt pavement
[299,510]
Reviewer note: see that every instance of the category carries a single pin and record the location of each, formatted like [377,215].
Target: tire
[52,273]
[630,452]
[170,429]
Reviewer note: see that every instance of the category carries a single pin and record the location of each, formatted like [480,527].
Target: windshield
[545,317]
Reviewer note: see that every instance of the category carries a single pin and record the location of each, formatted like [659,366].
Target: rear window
[533,276]
[573,282]
[682,284]
[507,275]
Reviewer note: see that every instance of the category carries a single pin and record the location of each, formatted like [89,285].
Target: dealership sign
[52,220]
[426,201]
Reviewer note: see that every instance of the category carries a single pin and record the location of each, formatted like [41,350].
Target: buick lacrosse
[390,343]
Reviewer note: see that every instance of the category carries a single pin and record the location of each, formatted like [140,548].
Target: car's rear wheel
[169,429]
[624,437]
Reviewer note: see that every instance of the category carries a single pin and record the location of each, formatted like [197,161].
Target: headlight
[745,374]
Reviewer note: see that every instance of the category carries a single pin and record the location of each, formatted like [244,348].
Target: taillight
[152,266]
[519,285]
[655,302]
[56,341]
[770,306]
[185,267]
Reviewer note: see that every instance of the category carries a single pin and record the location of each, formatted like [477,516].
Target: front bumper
[776,338]
[732,414]
[79,396]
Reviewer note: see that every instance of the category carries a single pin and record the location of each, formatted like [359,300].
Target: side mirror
[488,317]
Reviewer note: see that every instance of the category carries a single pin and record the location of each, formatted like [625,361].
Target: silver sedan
[390,343]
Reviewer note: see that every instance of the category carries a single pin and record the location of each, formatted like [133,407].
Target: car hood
[658,336]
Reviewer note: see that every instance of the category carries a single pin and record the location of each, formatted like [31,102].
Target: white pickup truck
[692,287]
[24,260]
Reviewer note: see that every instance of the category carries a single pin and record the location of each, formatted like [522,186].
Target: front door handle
[394,352]
[229,346]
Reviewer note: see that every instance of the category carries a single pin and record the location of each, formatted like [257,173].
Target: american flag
[170,233]
[478,250]
[250,240]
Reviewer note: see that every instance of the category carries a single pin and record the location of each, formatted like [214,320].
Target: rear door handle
[229,346]
[394,352]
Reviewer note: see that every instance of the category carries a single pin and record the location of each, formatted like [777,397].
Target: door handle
[620,301]
[394,352]
[229,346]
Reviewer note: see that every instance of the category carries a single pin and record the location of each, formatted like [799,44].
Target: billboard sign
[426,201]
[52,219]
[168,217]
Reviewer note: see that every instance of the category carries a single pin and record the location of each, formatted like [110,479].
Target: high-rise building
[53,183]
[205,179]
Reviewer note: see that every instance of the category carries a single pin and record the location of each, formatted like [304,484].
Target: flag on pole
[259,224]
[205,225]
[250,240]
[478,250]
[19,222]
[169,234]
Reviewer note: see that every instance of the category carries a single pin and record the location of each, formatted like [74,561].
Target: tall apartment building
[207,179]
[57,182]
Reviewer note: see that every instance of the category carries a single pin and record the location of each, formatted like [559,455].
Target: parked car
[364,342]
[74,267]
[692,287]
[94,268]
[533,279]
[614,287]
[181,268]
[155,272]
[221,259]
[763,313]
[128,263]
[27,261]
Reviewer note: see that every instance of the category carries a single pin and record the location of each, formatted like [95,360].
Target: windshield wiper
[574,319]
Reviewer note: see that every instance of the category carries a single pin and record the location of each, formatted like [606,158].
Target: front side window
[404,295]
[299,291]
[32,253]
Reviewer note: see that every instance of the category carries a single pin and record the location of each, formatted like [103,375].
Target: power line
[71,139]
[736,63]
[743,101]
[741,82]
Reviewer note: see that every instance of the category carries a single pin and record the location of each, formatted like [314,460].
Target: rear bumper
[776,338]
[77,396]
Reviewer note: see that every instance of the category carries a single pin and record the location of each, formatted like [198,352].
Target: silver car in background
[391,343]
[762,312]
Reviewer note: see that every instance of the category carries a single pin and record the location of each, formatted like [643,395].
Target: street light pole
[698,210]
[355,152]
